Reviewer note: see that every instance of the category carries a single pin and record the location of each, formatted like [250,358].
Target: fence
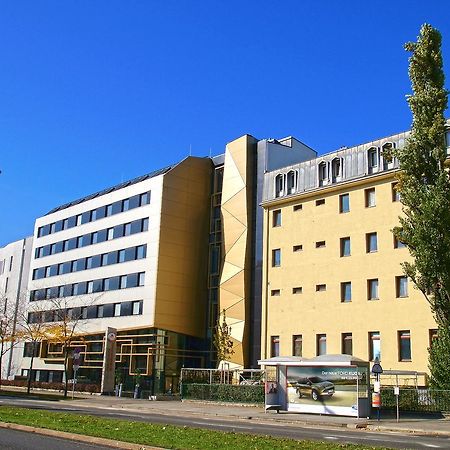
[416,400]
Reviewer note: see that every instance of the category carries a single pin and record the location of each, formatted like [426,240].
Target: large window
[372,289]
[401,286]
[374,346]
[297,345]
[276,257]
[347,344]
[371,242]
[274,346]
[370,199]
[346,292]
[276,218]
[344,203]
[404,345]
[321,344]
[345,246]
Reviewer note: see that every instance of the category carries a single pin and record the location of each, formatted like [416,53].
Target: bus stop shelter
[326,384]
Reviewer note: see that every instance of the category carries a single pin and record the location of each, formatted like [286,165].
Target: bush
[224,392]
[81,387]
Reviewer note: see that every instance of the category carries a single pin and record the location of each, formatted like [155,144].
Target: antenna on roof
[210,152]
[190,149]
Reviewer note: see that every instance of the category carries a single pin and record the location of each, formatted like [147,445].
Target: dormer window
[336,169]
[388,158]
[322,173]
[372,160]
[279,186]
[291,182]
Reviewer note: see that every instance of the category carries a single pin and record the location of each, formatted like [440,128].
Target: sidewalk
[415,424]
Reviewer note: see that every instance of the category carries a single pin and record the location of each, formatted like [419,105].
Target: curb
[78,437]
[415,431]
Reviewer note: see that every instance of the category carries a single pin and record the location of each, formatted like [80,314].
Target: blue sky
[96,92]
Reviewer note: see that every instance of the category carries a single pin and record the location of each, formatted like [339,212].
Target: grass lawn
[167,436]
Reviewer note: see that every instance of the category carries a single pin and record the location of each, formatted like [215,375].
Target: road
[21,440]
[288,430]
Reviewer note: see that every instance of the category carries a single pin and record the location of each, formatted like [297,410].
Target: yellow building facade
[332,276]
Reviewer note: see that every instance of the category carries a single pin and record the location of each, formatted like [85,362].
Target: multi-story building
[14,269]
[333,281]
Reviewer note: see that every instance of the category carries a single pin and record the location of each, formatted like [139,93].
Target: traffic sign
[377,369]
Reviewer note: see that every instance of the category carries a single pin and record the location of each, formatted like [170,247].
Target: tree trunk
[30,370]
[66,379]
[1,362]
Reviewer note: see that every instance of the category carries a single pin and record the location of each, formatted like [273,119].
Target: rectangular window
[145,198]
[110,234]
[401,286]
[297,290]
[86,217]
[345,246]
[297,207]
[78,219]
[372,289]
[276,257]
[344,203]
[275,292]
[65,224]
[141,279]
[320,202]
[347,344]
[136,308]
[320,244]
[346,292]
[398,243]
[121,256]
[126,204]
[108,210]
[11,259]
[100,311]
[127,229]
[321,344]
[117,309]
[395,193]
[95,237]
[141,251]
[116,207]
[372,158]
[297,345]
[404,345]
[145,224]
[134,201]
[297,248]
[371,242]
[276,218]
[118,231]
[374,346]
[321,287]
[370,197]
[274,346]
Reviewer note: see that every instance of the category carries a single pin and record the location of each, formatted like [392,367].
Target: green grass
[167,436]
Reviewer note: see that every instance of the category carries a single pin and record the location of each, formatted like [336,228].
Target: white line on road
[431,445]
[331,437]
[224,426]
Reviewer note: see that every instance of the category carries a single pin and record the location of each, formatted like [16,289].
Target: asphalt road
[294,431]
[21,440]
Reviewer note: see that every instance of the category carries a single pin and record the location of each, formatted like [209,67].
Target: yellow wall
[237,222]
[183,248]
[311,313]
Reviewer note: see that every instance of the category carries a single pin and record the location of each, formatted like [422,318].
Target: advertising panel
[325,390]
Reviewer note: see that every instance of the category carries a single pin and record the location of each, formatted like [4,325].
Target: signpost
[397,393]
[76,365]
[377,370]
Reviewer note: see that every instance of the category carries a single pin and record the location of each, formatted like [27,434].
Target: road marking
[331,437]
[431,445]
[224,426]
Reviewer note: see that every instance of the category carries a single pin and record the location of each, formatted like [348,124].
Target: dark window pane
[58,225]
[108,310]
[118,231]
[86,240]
[121,256]
[145,224]
[71,222]
[126,204]
[86,217]
[98,286]
[79,264]
[127,229]
[141,251]
[72,243]
[111,284]
[112,257]
[101,236]
[108,210]
[46,230]
[91,312]
[130,254]
[132,280]
[116,207]
[59,247]
[145,198]
[67,267]
[96,261]
[54,270]
[134,201]
[68,290]
[46,250]
[136,226]
[126,308]
[54,292]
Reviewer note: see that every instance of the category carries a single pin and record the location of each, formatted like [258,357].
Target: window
[145,224]
[371,242]
[395,193]
[275,292]
[404,345]
[372,159]
[116,207]
[320,244]
[95,237]
[274,346]
[370,197]
[297,207]
[136,308]
[291,182]
[276,257]
[110,234]
[346,292]
[141,279]
[345,246]
[127,229]
[297,345]
[279,184]
[11,259]
[90,287]
[398,244]
[297,290]
[347,344]
[320,202]
[31,349]
[141,251]
[145,198]
[100,311]
[374,346]
[401,286]
[78,219]
[297,248]
[322,173]
[433,336]
[108,210]
[372,289]
[276,218]
[321,344]
[321,287]
[344,203]
[336,169]
[117,309]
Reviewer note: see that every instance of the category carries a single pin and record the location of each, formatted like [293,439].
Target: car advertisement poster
[325,390]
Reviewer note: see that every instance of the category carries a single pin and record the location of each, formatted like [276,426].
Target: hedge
[224,392]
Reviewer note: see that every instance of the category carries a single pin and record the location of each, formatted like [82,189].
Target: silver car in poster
[314,387]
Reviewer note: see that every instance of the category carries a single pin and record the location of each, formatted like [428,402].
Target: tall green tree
[424,186]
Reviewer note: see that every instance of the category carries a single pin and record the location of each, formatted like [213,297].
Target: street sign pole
[377,370]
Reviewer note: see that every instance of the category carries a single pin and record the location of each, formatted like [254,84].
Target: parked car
[315,387]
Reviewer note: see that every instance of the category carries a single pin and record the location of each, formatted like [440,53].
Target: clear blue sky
[96,92]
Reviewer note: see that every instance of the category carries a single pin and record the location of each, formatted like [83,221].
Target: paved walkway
[420,424]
